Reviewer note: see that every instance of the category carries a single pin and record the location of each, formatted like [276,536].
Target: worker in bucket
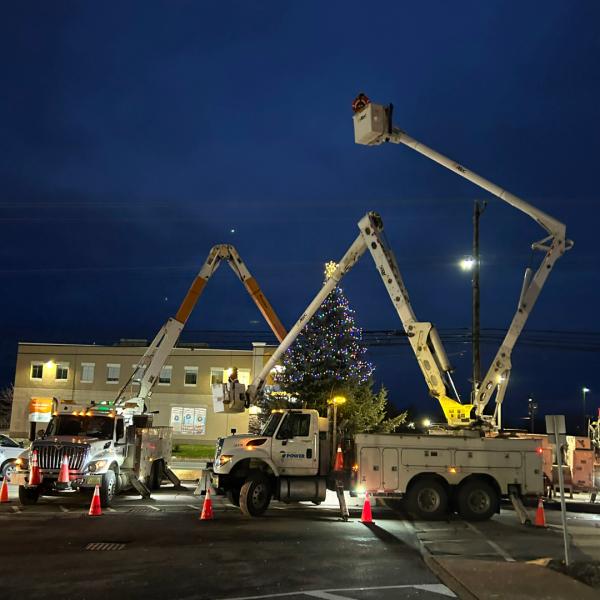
[233,378]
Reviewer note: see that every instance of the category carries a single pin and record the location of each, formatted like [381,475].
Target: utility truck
[115,444]
[467,464]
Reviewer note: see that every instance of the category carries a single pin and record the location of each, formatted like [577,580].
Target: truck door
[390,469]
[370,469]
[295,445]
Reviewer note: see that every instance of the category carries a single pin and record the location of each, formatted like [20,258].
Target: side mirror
[21,445]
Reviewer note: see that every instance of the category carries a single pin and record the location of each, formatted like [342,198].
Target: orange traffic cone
[4,492]
[339,460]
[540,515]
[63,474]
[207,509]
[95,507]
[35,476]
[366,516]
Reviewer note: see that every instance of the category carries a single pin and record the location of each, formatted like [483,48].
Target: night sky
[136,135]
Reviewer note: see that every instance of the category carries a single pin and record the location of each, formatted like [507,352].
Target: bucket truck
[290,459]
[114,444]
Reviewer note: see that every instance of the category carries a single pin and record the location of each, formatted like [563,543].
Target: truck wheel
[233,495]
[28,496]
[477,500]
[255,495]
[108,488]
[428,500]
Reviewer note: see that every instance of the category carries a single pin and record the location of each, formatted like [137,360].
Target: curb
[448,579]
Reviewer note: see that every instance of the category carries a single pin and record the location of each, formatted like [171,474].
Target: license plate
[94,480]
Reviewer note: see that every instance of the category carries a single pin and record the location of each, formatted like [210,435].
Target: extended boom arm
[148,369]
[424,338]
[373,126]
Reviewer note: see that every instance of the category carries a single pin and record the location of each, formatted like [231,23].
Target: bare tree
[6,400]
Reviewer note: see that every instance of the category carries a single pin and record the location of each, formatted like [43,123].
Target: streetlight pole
[478,208]
[584,391]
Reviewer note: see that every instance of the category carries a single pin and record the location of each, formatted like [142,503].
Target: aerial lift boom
[423,337]
[373,126]
[148,368]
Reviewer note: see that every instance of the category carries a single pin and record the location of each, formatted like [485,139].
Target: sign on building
[40,410]
[188,420]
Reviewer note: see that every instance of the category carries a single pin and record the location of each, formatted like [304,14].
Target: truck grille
[50,457]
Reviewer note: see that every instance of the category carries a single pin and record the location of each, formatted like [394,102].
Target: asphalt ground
[159,548]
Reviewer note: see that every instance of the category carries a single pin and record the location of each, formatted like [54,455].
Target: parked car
[9,452]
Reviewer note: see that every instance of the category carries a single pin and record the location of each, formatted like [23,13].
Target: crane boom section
[373,126]
[423,337]
[148,369]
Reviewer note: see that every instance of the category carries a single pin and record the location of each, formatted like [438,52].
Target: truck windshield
[96,426]
[271,424]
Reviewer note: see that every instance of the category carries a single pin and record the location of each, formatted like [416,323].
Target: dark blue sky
[135,136]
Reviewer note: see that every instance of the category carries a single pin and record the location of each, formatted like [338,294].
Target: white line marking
[194,507]
[436,588]
[503,553]
[16,509]
[152,507]
[109,509]
[63,508]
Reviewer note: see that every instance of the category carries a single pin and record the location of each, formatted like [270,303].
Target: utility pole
[532,409]
[478,208]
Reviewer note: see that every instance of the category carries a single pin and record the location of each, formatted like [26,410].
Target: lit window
[87,372]
[62,371]
[37,370]
[164,377]
[112,373]
[191,376]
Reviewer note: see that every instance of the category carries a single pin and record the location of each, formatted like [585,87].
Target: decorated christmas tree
[327,359]
[328,356]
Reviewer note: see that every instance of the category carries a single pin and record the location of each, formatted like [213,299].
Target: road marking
[503,553]
[16,509]
[152,507]
[63,508]
[330,594]
[105,546]
[194,507]
[109,509]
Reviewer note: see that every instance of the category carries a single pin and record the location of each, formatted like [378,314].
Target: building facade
[182,396]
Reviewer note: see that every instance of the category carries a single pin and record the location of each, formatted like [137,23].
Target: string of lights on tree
[328,351]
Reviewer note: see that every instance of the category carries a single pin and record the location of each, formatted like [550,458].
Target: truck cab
[288,461]
[103,449]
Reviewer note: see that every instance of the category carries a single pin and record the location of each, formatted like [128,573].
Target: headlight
[225,459]
[22,463]
[97,465]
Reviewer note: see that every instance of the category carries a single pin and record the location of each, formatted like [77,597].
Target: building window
[87,372]
[37,370]
[62,371]
[219,375]
[191,376]
[164,378]
[112,373]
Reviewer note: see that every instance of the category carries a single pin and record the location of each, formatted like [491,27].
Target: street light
[584,391]
[467,263]
[335,402]
[532,409]
[426,422]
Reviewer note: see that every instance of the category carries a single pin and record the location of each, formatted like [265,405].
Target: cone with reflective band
[366,516]
[63,474]
[35,477]
[95,507]
[339,460]
[4,492]
[207,509]
[540,515]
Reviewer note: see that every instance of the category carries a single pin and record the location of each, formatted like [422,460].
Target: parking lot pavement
[160,549]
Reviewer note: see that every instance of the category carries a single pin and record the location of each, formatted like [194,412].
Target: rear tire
[108,488]
[28,496]
[427,499]
[255,495]
[477,500]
